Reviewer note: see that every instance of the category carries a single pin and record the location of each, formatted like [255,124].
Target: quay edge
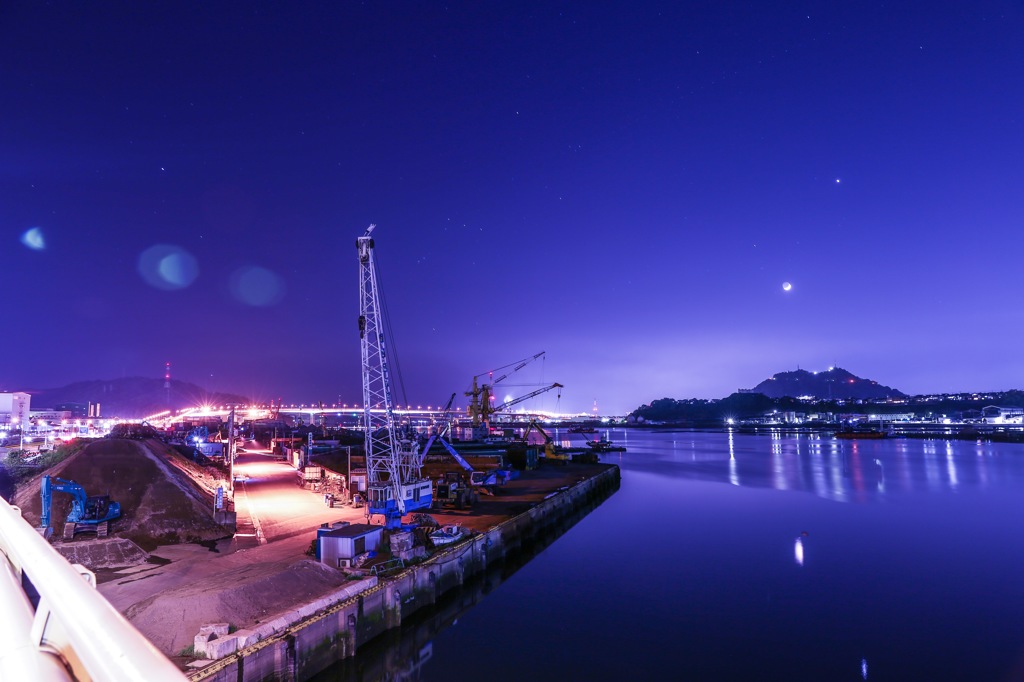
[310,645]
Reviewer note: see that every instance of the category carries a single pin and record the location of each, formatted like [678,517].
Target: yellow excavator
[552,453]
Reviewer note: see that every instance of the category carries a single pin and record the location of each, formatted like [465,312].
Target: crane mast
[395,485]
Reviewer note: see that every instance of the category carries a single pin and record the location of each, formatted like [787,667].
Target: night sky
[626,186]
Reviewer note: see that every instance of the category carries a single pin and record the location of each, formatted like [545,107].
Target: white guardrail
[74,633]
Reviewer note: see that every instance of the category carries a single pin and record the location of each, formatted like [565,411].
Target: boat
[861,434]
[446,535]
[583,428]
[602,444]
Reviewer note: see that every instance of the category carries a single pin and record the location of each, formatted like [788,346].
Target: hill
[833,384]
[132,397]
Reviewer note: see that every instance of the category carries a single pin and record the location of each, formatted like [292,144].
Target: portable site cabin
[339,546]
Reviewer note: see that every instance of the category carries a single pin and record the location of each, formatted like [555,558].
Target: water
[753,557]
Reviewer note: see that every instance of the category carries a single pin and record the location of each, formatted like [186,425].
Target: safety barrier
[73,633]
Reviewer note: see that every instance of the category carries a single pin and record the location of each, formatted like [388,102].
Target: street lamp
[21,433]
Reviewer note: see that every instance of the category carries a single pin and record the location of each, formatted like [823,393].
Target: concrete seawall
[316,641]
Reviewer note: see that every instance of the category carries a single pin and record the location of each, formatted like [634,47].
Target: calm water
[753,557]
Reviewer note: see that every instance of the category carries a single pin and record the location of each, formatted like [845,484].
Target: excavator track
[102,529]
[69,531]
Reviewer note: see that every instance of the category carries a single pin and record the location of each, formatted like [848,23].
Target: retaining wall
[310,645]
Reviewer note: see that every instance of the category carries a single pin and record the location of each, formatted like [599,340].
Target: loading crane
[515,401]
[453,487]
[395,484]
[442,432]
[87,515]
[480,395]
[551,451]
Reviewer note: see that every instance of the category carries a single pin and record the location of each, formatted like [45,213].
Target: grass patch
[22,470]
[188,652]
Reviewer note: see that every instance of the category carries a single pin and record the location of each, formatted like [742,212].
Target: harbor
[886,577]
[228,600]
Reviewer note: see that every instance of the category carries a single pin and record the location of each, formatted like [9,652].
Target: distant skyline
[671,199]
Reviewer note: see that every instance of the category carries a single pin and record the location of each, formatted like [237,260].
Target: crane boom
[480,394]
[515,401]
[519,364]
[445,423]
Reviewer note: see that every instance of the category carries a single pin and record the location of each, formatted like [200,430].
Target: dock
[315,636]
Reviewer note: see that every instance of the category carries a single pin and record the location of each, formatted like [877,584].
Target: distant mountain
[132,397]
[834,384]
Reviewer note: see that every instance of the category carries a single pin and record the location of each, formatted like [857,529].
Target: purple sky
[626,186]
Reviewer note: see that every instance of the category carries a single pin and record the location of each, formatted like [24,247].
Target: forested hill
[748,405]
[834,383]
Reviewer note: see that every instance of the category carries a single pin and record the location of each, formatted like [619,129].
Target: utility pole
[231,452]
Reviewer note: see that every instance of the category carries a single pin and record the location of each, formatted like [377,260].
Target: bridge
[311,413]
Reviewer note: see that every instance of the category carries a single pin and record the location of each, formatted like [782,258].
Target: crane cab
[416,495]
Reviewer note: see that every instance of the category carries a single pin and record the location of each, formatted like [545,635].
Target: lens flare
[168,267]
[33,239]
[257,286]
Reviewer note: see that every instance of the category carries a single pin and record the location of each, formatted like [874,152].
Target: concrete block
[221,647]
[280,623]
[247,638]
[199,644]
[263,631]
[218,629]
[306,611]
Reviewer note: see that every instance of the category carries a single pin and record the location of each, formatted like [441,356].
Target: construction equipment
[199,434]
[395,484]
[515,401]
[480,481]
[552,453]
[454,490]
[481,395]
[87,515]
[442,432]
[549,444]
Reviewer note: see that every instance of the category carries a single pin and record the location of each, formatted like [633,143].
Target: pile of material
[160,504]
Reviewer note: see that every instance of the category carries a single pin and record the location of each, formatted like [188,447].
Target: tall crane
[480,394]
[395,485]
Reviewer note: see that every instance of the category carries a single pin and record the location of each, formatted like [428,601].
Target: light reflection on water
[840,470]
[718,543]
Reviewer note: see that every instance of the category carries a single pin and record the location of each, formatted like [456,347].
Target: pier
[303,648]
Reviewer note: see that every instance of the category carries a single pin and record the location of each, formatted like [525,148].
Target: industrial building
[14,409]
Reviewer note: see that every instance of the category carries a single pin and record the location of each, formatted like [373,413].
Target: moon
[786,286]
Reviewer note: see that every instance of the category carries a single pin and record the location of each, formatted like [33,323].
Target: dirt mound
[242,598]
[160,505]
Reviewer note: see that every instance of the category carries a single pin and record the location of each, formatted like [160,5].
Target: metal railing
[73,633]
